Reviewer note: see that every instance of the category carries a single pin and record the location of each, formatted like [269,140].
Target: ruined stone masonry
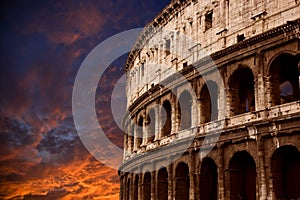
[220,125]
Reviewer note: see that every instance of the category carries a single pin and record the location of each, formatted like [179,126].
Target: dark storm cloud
[43,44]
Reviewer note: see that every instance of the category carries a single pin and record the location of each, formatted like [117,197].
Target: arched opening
[182,187]
[136,188]
[139,135]
[285,171]
[147,186]
[128,190]
[284,79]
[208,180]
[166,130]
[151,124]
[185,107]
[241,84]
[209,102]
[242,170]
[162,184]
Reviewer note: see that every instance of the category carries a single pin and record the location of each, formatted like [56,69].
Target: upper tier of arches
[240,92]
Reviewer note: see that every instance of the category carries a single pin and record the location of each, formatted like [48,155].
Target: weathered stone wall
[230,19]
[255,107]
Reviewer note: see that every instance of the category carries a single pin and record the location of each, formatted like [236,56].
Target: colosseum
[217,115]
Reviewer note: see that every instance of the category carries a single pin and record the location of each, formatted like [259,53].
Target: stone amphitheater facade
[236,133]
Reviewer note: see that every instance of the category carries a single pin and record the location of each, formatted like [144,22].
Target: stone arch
[185,106]
[147,186]
[167,115]
[241,91]
[136,187]
[209,102]
[285,165]
[182,181]
[242,174]
[162,184]
[151,123]
[208,180]
[283,72]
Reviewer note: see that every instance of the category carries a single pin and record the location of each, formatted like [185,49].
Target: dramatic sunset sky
[43,44]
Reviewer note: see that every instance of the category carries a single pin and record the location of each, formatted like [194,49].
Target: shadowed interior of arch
[208,180]
[185,109]
[284,79]
[182,185]
[242,170]
[285,163]
[209,102]
[241,84]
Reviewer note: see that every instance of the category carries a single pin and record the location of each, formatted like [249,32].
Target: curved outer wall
[255,45]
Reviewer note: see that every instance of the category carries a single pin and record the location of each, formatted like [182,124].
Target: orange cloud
[82,179]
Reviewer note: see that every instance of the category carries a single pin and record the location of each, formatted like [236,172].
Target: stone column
[221,181]
[197,182]
[131,189]
[226,173]
[140,185]
[222,111]
[268,89]
[136,129]
[174,111]
[228,107]
[157,110]
[194,113]
[262,185]
[191,174]
[175,116]
[130,139]
[160,123]
[259,93]
[271,195]
[223,11]
[227,13]
[126,136]
[171,182]
[145,130]
[153,186]
[121,187]
[259,87]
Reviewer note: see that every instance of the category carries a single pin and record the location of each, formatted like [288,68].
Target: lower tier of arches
[266,169]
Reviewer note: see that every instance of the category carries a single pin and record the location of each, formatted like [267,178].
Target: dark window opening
[240,37]
[184,64]
[142,69]
[208,20]
[168,47]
